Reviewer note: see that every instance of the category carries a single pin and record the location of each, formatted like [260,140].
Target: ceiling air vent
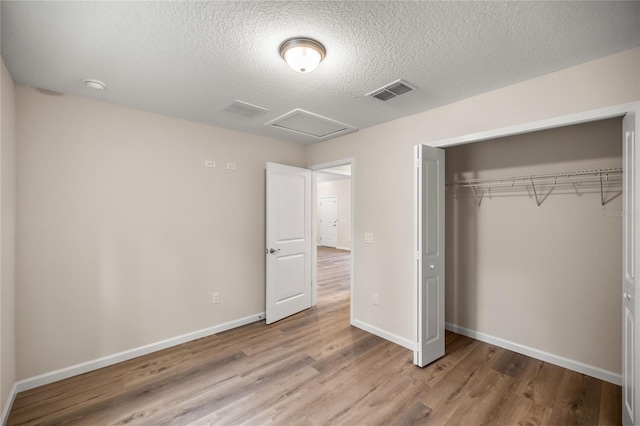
[244,109]
[392,90]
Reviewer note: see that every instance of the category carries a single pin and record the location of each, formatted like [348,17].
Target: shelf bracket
[602,203]
[535,193]
[478,197]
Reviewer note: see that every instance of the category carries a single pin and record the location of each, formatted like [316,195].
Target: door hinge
[418,162]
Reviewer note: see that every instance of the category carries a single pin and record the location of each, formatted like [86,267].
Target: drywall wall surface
[384,157]
[7,234]
[341,189]
[547,278]
[124,234]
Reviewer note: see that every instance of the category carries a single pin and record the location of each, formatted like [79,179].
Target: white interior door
[288,238]
[629,343]
[429,254]
[329,222]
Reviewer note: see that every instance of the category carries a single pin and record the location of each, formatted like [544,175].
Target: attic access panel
[310,124]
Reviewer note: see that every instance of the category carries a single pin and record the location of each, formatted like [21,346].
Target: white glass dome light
[302,54]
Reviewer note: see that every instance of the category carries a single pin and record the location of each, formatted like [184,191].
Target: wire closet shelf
[542,185]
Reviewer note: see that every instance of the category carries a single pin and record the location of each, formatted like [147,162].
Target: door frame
[314,230]
[562,121]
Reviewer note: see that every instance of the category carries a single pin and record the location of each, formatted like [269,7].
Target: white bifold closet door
[429,254]
[630,373]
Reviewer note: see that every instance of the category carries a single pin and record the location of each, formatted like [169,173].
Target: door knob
[626,297]
[273,250]
[432,267]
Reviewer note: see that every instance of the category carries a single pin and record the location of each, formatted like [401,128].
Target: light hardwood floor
[313,369]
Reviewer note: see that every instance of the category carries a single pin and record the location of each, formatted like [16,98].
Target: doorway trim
[314,231]
[534,126]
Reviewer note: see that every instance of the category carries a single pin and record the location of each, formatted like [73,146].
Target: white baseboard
[406,343]
[589,370]
[74,370]
[8,404]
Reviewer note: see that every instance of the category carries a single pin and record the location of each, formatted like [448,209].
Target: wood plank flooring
[315,369]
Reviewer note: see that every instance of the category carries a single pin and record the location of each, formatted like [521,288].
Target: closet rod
[598,178]
[541,186]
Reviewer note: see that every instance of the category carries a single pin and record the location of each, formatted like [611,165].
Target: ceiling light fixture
[302,54]
[95,85]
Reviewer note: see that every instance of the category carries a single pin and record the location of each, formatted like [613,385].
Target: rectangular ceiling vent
[310,124]
[392,90]
[244,109]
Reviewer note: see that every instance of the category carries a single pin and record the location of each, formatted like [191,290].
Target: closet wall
[548,278]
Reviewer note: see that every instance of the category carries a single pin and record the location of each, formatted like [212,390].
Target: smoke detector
[95,85]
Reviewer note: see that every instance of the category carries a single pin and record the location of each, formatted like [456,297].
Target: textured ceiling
[193,59]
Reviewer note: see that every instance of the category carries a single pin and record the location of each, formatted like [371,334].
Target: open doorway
[333,203]
[333,235]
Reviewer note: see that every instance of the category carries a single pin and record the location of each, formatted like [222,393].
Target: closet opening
[534,243]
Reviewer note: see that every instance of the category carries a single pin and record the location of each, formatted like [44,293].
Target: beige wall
[547,278]
[124,234]
[7,234]
[342,190]
[384,190]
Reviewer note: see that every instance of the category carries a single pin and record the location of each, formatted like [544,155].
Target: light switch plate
[368,238]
